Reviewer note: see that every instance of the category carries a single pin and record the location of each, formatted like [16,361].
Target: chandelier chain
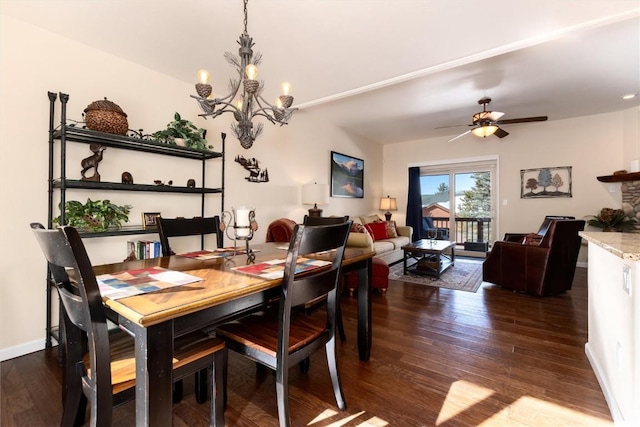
[245,16]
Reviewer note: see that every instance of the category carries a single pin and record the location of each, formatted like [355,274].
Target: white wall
[33,62]
[592,146]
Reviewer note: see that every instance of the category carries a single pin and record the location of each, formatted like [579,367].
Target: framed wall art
[347,176]
[545,182]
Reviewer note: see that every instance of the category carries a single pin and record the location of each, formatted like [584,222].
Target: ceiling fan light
[484,131]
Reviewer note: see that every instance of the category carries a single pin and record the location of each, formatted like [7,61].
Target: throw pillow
[378,230]
[358,228]
[532,239]
[392,231]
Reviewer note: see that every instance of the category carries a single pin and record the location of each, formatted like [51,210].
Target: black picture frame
[347,176]
[150,219]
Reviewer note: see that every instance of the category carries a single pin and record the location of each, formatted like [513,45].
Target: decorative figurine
[159,182]
[191,183]
[256,174]
[127,178]
[92,162]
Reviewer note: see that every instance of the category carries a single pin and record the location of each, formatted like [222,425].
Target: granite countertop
[623,245]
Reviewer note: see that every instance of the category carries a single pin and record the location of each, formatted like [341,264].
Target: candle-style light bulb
[251,71]
[286,88]
[203,76]
[239,104]
[279,103]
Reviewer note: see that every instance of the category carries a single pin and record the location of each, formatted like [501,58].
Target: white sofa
[389,249]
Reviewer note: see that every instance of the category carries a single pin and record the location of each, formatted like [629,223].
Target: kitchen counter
[622,245]
[613,346]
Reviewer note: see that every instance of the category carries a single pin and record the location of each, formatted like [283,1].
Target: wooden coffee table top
[428,246]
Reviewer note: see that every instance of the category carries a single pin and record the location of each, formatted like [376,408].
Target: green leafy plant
[94,216]
[612,219]
[184,129]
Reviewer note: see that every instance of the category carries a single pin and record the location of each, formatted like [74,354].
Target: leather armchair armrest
[514,237]
[516,266]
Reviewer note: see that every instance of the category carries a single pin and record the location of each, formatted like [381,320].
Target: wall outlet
[626,279]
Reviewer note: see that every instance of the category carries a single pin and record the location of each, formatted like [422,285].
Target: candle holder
[239,224]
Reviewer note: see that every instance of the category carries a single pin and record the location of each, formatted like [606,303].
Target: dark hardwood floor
[439,358]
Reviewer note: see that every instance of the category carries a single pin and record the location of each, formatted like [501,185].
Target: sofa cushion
[378,230]
[370,218]
[399,241]
[382,246]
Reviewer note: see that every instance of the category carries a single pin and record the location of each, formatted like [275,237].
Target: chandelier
[248,103]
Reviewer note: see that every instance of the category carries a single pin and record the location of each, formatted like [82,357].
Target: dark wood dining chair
[280,337]
[100,364]
[324,220]
[179,227]
[312,305]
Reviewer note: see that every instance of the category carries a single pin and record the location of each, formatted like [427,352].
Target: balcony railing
[468,230]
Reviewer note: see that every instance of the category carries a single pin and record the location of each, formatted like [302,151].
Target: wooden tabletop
[221,284]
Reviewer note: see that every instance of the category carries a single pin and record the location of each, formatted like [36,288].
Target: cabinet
[60,136]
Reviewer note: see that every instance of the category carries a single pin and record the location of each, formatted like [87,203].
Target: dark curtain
[414,203]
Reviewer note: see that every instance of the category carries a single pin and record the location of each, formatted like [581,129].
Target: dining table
[156,318]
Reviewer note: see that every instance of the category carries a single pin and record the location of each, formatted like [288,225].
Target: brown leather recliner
[544,268]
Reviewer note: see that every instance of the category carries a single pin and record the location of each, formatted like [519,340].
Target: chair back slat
[179,227]
[324,220]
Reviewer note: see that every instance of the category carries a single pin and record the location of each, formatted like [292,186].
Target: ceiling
[383,70]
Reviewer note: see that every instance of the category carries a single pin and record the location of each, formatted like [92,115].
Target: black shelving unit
[59,137]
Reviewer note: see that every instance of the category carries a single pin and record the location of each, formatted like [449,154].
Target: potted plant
[180,128]
[612,220]
[94,216]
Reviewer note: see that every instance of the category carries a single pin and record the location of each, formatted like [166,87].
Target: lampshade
[388,204]
[484,131]
[315,194]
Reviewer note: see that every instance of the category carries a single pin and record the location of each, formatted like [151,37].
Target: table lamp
[315,194]
[388,204]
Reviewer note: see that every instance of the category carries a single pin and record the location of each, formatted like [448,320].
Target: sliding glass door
[461,198]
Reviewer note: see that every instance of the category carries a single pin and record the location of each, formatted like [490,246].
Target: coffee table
[434,256]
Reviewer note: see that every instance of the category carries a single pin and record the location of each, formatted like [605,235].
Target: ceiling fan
[485,123]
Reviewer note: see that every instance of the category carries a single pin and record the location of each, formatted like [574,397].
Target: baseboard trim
[22,349]
[604,386]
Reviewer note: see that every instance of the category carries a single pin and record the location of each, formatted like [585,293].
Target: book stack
[143,249]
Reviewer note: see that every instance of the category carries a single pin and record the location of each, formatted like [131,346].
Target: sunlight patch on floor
[329,413]
[462,395]
[528,410]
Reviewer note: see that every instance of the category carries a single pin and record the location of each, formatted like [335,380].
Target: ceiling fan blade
[459,136]
[501,133]
[522,120]
[494,115]
[452,126]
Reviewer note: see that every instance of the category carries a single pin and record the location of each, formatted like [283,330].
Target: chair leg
[282,394]
[304,365]
[340,325]
[332,361]
[218,388]
[201,386]
[177,391]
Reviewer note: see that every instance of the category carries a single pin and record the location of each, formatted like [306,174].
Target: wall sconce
[388,204]
[315,194]
[243,225]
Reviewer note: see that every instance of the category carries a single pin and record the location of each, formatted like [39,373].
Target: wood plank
[439,357]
